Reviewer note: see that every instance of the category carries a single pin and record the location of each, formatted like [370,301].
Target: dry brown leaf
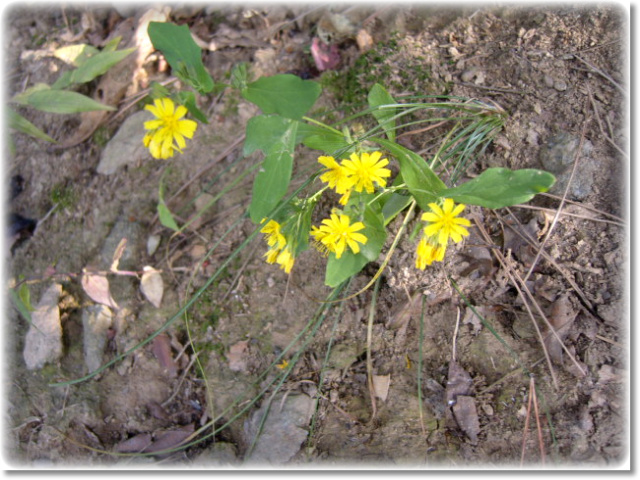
[117,255]
[466,415]
[162,350]
[381,386]
[561,318]
[459,382]
[152,286]
[97,287]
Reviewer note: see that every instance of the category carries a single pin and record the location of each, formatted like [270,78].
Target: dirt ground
[451,391]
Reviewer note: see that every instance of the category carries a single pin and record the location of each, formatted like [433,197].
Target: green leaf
[59,101]
[276,137]
[166,218]
[24,309]
[501,187]
[188,99]
[182,53]
[164,214]
[21,124]
[239,76]
[112,45]
[377,97]
[349,264]
[319,138]
[92,67]
[421,181]
[75,54]
[287,95]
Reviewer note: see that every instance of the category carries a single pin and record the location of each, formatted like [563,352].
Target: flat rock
[282,433]
[96,320]
[43,343]
[126,147]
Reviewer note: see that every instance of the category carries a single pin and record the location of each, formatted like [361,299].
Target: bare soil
[560,74]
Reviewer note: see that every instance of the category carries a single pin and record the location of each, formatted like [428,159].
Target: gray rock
[282,433]
[43,343]
[126,147]
[96,320]
[558,155]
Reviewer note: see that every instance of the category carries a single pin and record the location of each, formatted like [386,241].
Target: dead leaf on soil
[161,440]
[152,286]
[463,406]
[472,319]
[96,286]
[169,439]
[459,382]
[136,444]
[466,415]
[117,255]
[381,386]
[162,350]
[561,318]
[43,342]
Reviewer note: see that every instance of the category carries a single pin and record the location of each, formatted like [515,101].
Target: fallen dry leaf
[162,350]
[381,386]
[117,255]
[97,287]
[462,405]
[459,382]
[466,415]
[152,286]
[561,318]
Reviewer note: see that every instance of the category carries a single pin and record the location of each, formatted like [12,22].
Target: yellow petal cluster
[358,172]
[443,223]
[168,130]
[337,232]
[279,252]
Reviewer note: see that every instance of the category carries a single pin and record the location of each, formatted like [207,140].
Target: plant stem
[323,125]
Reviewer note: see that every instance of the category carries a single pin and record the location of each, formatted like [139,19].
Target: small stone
[152,244]
[96,320]
[43,343]
[548,81]
[560,85]
[126,147]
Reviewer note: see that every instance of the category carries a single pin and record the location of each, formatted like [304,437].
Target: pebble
[557,156]
[96,320]
[43,343]
[560,85]
[126,147]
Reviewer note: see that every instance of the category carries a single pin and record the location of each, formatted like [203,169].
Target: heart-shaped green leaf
[501,187]
[182,53]
[287,95]
[276,137]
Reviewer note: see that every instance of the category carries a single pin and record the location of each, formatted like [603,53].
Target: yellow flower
[279,252]
[444,222]
[168,130]
[284,364]
[427,253]
[336,175]
[273,234]
[337,232]
[285,260]
[367,169]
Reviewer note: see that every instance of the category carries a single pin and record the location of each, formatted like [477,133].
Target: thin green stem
[323,125]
